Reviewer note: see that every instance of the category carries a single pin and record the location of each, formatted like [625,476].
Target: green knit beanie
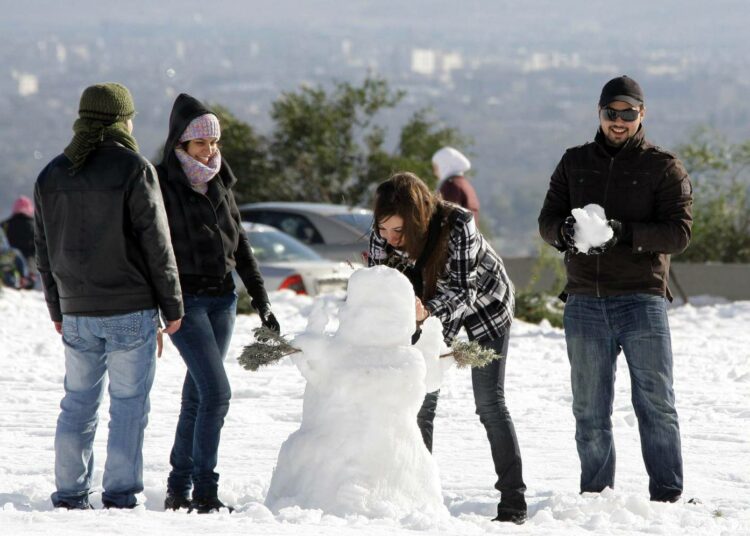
[108,102]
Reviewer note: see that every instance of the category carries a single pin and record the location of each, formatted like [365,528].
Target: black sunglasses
[629,115]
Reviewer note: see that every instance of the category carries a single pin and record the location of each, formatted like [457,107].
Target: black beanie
[108,102]
[623,88]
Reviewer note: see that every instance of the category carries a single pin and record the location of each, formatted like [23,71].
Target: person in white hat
[449,166]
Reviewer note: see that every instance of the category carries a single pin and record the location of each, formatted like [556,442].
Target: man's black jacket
[102,239]
[207,235]
[643,186]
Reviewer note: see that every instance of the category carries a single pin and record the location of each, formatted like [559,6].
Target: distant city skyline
[521,79]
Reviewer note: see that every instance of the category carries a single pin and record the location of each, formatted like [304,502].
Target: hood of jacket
[184,110]
[450,162]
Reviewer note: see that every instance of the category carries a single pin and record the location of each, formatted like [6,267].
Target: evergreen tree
[322,143]
[720,173]
[328,147]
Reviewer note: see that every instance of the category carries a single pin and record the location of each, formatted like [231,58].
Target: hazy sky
[639,22]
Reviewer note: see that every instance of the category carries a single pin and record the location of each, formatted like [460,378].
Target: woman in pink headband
[209,243]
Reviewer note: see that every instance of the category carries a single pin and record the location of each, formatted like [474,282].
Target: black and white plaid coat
[475,290]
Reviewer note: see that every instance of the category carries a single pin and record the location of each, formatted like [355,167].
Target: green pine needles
[269,347]
[471,354]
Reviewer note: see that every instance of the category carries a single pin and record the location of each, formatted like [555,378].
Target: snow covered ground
[712,382]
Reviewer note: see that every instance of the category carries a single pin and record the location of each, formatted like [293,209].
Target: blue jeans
[123,347]
[595,331]
[488,384]
[203,341]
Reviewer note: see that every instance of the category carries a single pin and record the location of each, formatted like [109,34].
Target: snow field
[712,383]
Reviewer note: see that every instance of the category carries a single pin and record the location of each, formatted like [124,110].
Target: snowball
[591,229]
[258,513]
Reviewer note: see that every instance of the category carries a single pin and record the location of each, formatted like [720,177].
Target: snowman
[358,449]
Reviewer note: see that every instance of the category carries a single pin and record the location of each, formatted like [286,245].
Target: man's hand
[58,327]
[159,341]
[568,233]
[618,231]
[173,326]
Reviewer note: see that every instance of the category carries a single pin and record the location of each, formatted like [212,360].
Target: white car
[337,232]
[286,263]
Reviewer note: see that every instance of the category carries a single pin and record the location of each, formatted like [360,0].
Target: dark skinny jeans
[488,384]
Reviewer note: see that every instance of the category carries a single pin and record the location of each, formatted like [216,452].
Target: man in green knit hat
[105,258]
[106,112]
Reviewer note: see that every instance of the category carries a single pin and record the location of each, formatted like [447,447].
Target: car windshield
[360,221]
[274,246]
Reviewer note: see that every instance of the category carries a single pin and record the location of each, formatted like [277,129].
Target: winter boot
[82,505]
[208,505]
[511,512]
[176,502]
[110,504]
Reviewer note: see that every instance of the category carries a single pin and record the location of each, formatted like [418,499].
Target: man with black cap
[105,257]
[616,292]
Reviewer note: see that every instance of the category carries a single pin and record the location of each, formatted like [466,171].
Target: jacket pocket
[586,186]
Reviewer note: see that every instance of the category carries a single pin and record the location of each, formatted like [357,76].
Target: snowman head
[379,310]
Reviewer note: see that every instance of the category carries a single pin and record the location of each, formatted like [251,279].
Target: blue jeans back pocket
[70,334]
[125,331]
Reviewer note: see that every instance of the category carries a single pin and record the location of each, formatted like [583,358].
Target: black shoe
[670,499]
[109,504]
[84,505]
[518,516]
[208,505]
[176,502]
[513,514]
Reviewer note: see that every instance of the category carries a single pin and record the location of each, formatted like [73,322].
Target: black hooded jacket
[207,235]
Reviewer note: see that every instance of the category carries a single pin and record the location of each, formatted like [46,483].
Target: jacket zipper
[606,193]
[215,228]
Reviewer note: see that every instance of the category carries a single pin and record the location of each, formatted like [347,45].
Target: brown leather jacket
[643,186]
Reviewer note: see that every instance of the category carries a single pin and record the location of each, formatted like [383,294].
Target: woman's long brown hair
[406,195]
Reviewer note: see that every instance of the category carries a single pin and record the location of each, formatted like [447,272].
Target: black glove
[620,233]
[568,233]
[623,231]
[268,319]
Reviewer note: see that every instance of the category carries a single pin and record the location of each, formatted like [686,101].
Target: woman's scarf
[198,173]
[88,135]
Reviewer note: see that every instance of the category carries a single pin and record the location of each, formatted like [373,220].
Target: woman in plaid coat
[459,279]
